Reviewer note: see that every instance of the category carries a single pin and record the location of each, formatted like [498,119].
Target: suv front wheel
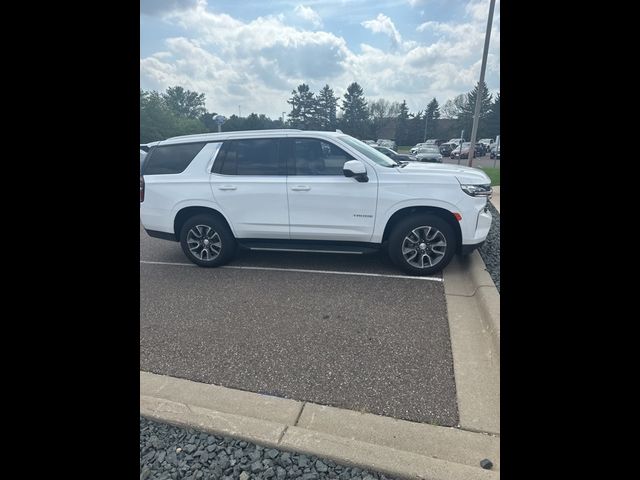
[422,244]
[207,241]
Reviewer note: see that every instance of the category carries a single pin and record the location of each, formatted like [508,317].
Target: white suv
[296,190]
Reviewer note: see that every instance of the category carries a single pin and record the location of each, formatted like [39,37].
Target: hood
[463,174]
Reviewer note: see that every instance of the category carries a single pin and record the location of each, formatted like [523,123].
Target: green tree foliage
[159,122]
[326,107]
[303,108]
[432,113]
[402,127]
[184,103]
[415,128]
[355,115]
[465,115]
[493,118]
[252,122]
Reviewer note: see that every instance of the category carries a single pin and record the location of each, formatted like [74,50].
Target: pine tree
[402,128]
[303,108]
[326,109]
[468,108]
[493,118]
[355,115]
[432,113]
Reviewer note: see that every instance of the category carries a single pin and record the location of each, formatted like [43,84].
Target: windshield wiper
[403,164]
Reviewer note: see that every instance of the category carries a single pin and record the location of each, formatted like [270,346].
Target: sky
[248,55]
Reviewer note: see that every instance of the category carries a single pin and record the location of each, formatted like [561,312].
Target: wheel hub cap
[424,247]
[204,243]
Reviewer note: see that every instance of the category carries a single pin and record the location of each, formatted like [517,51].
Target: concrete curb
[394,447]
[487,296]
[473,310]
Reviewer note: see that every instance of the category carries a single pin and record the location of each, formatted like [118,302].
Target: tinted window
[169,159]
[315,157]
[249,157]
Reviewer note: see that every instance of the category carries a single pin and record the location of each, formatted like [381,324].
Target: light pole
[283,114]
[476,112]
[426,119]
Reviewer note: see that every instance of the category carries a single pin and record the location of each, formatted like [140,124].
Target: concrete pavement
[393,447]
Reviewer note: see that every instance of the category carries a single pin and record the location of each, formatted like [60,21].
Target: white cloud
[155,7]
[257,63]
[309,14]
[383,24]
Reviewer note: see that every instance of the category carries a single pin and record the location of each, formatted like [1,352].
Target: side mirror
[355,169]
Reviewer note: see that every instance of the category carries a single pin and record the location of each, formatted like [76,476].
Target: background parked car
[435,141]
[487,142]
[415,148]
[456,141]
[446,148]
[387,143]
[495,151]
[462,151]
[429,153]
[398,157]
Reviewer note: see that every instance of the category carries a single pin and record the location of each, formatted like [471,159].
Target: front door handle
[227,187]
[301,188]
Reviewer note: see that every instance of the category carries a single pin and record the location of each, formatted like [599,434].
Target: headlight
[477,190]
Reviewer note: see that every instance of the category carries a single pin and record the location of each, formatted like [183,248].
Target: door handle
[227,187]
[301,188]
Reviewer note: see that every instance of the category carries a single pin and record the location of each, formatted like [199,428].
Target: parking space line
[300,270]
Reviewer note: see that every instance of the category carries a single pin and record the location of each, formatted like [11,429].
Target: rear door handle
[301,188]
[227,187]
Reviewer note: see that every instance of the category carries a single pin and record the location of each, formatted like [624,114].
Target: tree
[381,112]
[355,115]
[465,116]
[415,128]
[184,103]
[453,107]
[432,113]
[326,109]
[209,122]
[303,108]
[493,118]
[158,122]
[402,128]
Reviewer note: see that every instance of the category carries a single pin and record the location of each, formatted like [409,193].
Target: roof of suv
[212,137]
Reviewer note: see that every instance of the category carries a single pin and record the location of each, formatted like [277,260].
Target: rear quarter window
[171,159]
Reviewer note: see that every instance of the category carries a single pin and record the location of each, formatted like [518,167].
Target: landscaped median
[396,448]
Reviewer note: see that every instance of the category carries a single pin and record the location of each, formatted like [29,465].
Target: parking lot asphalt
[378,344]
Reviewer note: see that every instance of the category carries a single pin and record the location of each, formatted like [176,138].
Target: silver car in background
[429,153]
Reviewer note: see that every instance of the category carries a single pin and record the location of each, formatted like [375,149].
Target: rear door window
[249,157]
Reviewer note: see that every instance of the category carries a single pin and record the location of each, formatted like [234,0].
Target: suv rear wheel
[207,241]
[422,244]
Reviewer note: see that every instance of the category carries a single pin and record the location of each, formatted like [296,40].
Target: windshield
[428,150]
[368,151]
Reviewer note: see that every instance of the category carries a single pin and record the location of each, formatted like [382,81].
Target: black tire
[404,228]
[227,241]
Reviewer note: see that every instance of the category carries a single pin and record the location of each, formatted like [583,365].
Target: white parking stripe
[300,270]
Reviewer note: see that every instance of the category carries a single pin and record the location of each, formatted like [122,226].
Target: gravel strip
[168,452]
[490,251]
